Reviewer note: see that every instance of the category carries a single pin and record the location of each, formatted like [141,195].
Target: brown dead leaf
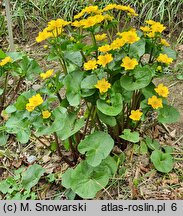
[17,164]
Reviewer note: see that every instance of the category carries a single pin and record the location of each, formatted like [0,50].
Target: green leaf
[163,162]
[70,127]
[168,114]
[149,91]
[10,109]
[113,108]
[130,136]
[143,148]
[2,54]
[152,144]
[75,57]
[86,180]
[31,176]
[28,67]
[16,123]
[137,49]
[60,114]
[23,135]
[21,102]
[141,78]
[108,120]
[168,149]
[89,82]
[97,146]
[111,164]
[4,186]
[72,83]
[170,52]
[16,55]
[3,138]
[1,91]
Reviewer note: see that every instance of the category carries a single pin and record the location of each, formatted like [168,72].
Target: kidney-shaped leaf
[113,108]
[130,136]
[86,180]
[31,176]
[163,162]
[168,114]
[97,146]
[141,78]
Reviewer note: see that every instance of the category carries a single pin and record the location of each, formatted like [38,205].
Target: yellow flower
[47,74]
[155,102]
[55,24]
[157,27]
[127,9]
[90,65]
[79,15]
[162,90]
[91,9]
[6,60]
[129,36]
[135,115]
[164,42]
[150,22]
[77,24]
[108,17]
[56,32]
[163,58]
[104,59]
[105,48]
[103,85]
[46,114]
[109,7]
[45,46]
[151,34]
[30,107]
[36,100]
[92,20]
[145,28]
[128,63]
[159,68]
[101,37]
[43,36]
[117,43]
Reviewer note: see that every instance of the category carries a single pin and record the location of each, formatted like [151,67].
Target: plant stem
[73,150]
[94,43]
[83,55]
[15,91]
[60,153]
[59,97]
[86,125]
[39,140]
[4,93]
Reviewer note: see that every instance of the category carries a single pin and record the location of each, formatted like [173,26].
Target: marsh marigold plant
[99,94]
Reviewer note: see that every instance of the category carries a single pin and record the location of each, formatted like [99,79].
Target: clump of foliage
[109,93]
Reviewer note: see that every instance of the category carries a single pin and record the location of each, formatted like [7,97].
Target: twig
[178,140]
[15,91]
[39,140]
[9,24]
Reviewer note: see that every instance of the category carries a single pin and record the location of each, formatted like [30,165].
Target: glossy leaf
[141,78]
[163,162]
[130,136]
[113,108]
[168,114]
[31,176]
[97,147]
